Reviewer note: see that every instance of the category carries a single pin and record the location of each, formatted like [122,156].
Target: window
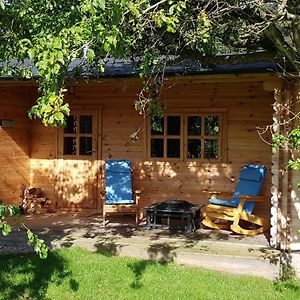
[188,136]
[78,135]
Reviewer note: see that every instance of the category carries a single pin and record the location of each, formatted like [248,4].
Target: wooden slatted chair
[222,213]
[119,196]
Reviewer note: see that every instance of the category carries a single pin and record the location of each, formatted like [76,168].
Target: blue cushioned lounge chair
[225,214]
[119,195]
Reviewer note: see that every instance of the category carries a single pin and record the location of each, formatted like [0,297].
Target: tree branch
[154,6]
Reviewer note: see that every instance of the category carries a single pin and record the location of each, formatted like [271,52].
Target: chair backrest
[118,182]
[250,182]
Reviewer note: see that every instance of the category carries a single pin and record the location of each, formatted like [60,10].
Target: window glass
[193,148]
[157,148]
[194,125]
[70,145]
[173,127]
[71,124]
[85,145]
[194,136]
[86,124]
[173,148]
[157,126]
[211,125]
[211,149]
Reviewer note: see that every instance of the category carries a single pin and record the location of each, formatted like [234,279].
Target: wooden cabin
[211,129]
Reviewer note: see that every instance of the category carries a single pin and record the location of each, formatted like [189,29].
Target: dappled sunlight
[69,183]
[296,212]
[186,180]
[15,161]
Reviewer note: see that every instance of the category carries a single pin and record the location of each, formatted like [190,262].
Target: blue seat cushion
[118,185]
[233,202]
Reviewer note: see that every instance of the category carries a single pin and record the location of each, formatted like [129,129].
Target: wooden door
[78,169]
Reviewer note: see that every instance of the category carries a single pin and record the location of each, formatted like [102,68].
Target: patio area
[220,250]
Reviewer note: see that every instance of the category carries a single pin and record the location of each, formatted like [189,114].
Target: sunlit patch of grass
[75,273]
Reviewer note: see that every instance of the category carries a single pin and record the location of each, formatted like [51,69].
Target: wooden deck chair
[119,196]
[225,214]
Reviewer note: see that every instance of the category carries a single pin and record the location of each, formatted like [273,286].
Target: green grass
[75,273]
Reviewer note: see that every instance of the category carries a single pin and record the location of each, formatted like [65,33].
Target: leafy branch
[14,212]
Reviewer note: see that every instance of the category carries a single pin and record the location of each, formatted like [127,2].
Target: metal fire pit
[174,213]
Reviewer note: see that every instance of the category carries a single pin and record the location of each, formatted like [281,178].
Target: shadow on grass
[138,268]
[160,253]
[28,277]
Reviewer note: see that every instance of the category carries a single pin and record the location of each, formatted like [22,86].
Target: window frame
[77,135]
[184,114]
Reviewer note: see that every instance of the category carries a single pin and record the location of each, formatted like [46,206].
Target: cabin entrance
[78,160]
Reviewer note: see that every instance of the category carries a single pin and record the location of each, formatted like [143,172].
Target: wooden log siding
[247,103]
[14,142]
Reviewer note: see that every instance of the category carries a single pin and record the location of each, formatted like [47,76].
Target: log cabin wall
[244,99]
[15,141]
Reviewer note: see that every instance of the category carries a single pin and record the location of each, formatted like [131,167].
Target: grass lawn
[75,273]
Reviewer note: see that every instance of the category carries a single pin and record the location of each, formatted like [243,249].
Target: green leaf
[59,116]
[10,211]
[31,53]
[2,5]
[101,68]
[65,109]
[44,251]
[52,99]
[2,211]
[6,229]
[106,46]
[16,209]
[101,4]
[90,55]
[46,109]
[30,236]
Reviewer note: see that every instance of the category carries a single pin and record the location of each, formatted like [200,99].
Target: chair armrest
[247,198]
[215,194]
[137,196]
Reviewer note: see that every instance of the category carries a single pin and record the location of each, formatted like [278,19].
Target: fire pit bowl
[174,213]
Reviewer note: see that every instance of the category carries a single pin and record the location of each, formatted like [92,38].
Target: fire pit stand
[173,213]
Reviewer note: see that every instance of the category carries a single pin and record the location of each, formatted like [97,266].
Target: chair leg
[104,221]
[137,218]
[261,222]
[238,229]
[208,222]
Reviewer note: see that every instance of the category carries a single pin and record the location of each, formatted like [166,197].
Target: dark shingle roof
[127,68]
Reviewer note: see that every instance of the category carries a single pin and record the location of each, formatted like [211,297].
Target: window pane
[157,126]
[173,125]
[86,145]
[86,124]
[211,149]
[71,126]
[211,125]
[70,146]
[194,125]
[173,148]
[194,148]
[157,148]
